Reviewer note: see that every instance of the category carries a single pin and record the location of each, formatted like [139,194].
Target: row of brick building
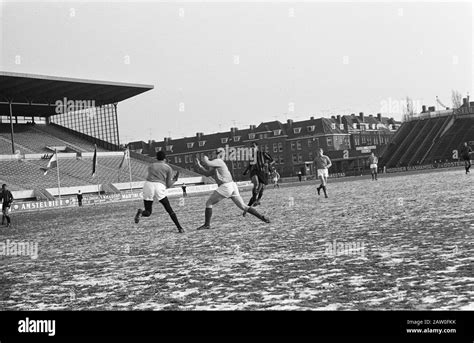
[347,140]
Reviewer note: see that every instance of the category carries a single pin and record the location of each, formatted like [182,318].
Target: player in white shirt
[227,188]
[323,163]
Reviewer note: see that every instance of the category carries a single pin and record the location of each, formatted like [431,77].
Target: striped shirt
[261,161]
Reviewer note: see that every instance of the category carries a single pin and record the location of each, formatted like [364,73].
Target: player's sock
[319,189]
[8,220]
[3,219]
[166,204]
[324,189]
[148,208]
[375,176]
[254,212]
[253,198]
[260,194]
[207,220]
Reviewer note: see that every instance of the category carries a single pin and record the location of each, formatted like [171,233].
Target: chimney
[471,104]
[233,130]
[352,115]
[290,122]
[464,101]
[431,109]
[333,117]
[379,117]
[252,127]
[361,116]
[339,119]
[423,109]
[312,118]
[199,134]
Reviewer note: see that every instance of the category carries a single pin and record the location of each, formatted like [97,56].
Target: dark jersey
[465,152]
[7,197]
[260,166]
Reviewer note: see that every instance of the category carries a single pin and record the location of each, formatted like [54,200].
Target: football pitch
[402,242]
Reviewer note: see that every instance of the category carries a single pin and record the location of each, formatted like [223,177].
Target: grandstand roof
[36,95]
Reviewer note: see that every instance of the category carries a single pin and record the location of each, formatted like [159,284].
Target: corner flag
[94,160]
[126,155]
[53,163]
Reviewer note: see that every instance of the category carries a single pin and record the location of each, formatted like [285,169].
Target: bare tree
[456,98]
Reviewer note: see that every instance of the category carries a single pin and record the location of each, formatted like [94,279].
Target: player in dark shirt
[183,187]
[159,179]
[259,173]
[79,198]
[7,198]
[466,152]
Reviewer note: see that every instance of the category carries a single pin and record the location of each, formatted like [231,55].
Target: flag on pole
[126,156]
[53,163]
[94,160]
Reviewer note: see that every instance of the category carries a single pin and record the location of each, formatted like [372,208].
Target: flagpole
[97,171]
[59,181]
[129,169]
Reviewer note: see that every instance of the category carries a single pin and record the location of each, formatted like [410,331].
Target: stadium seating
[23,174]
[403,141]
[425,127]
[72,140]
[26,174]
[426,141]
[399,137]
[461,131]
[421,149]
[36,139]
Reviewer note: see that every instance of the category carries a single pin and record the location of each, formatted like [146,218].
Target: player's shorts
[373,165]
[466,157]
[323,172]
[261,174]
[275,179]
[154,191]
[228,190]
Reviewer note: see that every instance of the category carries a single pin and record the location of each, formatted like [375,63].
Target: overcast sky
[215,65]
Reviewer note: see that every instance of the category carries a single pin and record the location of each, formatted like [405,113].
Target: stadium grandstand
[44,115]
[431,137]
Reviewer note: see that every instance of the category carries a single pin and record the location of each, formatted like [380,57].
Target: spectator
[183,187]
[79,198]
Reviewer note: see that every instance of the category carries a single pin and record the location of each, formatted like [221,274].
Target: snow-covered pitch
[402,242]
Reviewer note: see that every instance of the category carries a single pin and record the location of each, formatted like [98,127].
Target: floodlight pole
[11,126]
